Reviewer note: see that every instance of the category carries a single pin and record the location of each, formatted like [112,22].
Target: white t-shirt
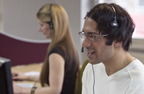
[129,80]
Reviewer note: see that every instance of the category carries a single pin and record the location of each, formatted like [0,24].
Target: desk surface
[27,68]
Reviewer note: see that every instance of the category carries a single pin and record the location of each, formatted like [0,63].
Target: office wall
[137,49]
[19,18]
[1,6]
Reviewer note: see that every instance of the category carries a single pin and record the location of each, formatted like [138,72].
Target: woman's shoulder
[55,57]
[57,49]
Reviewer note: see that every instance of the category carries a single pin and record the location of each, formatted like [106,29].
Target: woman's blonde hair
[58,17]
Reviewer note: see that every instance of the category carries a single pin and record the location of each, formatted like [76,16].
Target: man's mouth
[90,53]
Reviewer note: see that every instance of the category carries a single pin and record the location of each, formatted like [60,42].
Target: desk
[27,68]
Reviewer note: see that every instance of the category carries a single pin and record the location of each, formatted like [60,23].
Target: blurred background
[17,17]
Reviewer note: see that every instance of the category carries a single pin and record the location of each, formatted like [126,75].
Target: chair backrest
[78,86]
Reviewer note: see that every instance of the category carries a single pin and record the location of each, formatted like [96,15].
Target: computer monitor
[5,76]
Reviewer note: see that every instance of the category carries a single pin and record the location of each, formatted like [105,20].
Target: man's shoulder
[136,71]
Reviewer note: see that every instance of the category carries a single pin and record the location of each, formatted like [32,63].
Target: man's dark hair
[103,14]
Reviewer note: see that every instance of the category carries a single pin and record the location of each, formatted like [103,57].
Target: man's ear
[117,44]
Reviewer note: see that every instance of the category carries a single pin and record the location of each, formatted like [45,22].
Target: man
[107,34]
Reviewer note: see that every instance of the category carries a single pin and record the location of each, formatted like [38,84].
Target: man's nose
[86,43]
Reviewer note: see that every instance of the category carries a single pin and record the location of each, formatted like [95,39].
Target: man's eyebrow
[92,33]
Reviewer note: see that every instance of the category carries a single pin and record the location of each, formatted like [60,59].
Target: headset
[93,79]
[114,23]
[82,49]
[51,21]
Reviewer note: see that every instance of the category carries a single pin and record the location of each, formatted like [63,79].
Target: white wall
[19,16]
[1,6]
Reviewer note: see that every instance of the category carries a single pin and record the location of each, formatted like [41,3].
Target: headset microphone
[82,49]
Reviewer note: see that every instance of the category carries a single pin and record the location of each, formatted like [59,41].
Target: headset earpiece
[114,22]
[51,25]
[51,19]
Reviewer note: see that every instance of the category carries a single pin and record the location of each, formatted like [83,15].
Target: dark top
[70,71]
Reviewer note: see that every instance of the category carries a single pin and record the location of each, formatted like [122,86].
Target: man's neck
[118,62]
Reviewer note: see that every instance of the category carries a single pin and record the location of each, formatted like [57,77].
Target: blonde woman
[61,64]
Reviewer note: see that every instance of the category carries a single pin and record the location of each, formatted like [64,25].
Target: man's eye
[41,24]
[91,36]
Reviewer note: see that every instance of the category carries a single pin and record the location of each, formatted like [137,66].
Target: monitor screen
[5,76]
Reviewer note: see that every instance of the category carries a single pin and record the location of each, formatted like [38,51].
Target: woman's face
[45,29]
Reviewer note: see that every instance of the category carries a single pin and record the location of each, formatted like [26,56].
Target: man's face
[94,43]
